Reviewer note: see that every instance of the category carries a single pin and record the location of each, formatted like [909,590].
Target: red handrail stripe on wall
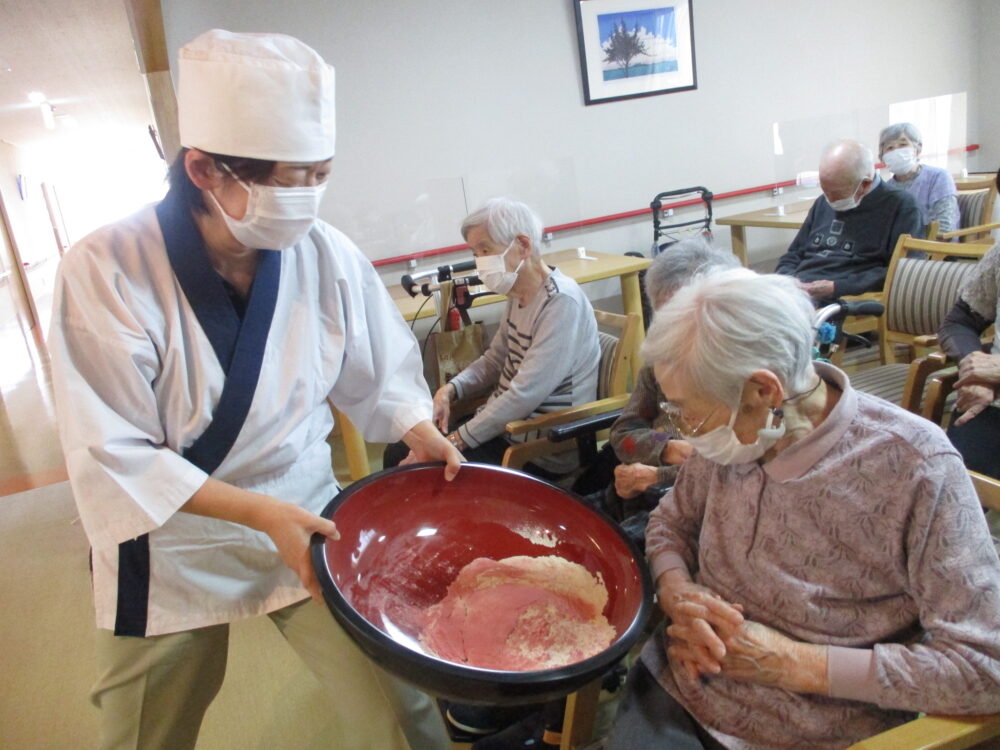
[620,216]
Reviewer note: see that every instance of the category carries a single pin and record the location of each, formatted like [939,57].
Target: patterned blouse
[641,433]
[865,535]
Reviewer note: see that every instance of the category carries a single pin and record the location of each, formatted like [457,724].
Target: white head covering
[260,96]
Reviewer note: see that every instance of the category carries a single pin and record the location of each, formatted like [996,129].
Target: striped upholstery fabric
[923,291]
[609,346]
[970,208]
[887,381]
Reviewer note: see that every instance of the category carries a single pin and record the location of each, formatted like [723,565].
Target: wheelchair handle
[415,283]
[842,308]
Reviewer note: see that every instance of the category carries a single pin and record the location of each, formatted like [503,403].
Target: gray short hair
[504,219]
[723,326]
[892,132]
[678,263]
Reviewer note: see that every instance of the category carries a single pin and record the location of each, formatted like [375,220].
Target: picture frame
[634,48]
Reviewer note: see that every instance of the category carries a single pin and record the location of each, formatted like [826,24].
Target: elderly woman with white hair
[822,560]
[899,146]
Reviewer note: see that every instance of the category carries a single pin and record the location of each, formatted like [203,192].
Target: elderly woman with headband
[822,560]
[194,348]
[899,146]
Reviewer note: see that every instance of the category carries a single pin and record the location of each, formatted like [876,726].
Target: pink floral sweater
[867,536]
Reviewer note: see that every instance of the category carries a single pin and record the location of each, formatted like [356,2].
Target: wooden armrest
[521,453]
[930,732]
[940,384]
[978,229]
[569,414]
[927,340]
[916,379]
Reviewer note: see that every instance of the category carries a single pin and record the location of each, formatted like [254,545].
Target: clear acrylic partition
[798,144]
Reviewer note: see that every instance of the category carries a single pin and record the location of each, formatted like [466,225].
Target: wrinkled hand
[972,400]
[698,617]
[442,406]
[291,528]
[759,654]
[821,289]
[631,479]
[676,452]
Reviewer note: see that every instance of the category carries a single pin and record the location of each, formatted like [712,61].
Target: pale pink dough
[518,614]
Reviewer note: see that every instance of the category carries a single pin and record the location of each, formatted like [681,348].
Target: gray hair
[675,266]
[899,129]
[851,160]
[724,326]
[504,219]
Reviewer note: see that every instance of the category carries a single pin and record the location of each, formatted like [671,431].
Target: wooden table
[793,217]
[581,270]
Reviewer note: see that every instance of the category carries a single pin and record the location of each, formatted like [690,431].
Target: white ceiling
[79,53]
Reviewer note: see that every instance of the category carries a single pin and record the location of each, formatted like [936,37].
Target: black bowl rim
[538,679]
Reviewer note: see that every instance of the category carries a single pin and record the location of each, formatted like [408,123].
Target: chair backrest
[988,490]
[922,293]
[975,205]
[616,351]
[919,292]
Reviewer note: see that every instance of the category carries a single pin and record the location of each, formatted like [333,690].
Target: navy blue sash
[239,347]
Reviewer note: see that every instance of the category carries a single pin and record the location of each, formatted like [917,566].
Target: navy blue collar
[238,344]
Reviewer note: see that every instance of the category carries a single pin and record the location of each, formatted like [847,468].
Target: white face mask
[277,217]
[846,204]
[722,446]
[492,271]
[901,160]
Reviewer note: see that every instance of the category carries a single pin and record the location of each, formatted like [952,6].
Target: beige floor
[269,699]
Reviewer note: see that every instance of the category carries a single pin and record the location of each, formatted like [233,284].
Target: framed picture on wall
[631,48]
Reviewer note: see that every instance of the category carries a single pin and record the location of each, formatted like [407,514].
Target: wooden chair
[918,294]
[975,209]
[936,733]
[616,366]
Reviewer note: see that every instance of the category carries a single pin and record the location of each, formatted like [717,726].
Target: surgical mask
[845,204]
[901,160]
[492,271]
[277,217]
[722,446]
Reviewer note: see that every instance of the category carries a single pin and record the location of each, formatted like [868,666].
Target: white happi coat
[137,380]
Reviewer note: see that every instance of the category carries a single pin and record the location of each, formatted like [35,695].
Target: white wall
[443,103]
[986,114]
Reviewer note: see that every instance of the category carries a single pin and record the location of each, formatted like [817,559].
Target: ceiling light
[36,97]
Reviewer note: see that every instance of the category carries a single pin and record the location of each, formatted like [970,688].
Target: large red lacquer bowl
[405,535]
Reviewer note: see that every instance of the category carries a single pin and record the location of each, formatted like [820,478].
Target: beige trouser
[153,692]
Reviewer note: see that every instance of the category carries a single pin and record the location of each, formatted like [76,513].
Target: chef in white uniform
[194,347]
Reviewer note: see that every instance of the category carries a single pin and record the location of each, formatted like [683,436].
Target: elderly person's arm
[636,440]
[788,263]
[483,374]
[972,314]
[698,615]
[547,363]
[954,583]
[945,212]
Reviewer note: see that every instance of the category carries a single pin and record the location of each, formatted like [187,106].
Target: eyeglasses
[677,421]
